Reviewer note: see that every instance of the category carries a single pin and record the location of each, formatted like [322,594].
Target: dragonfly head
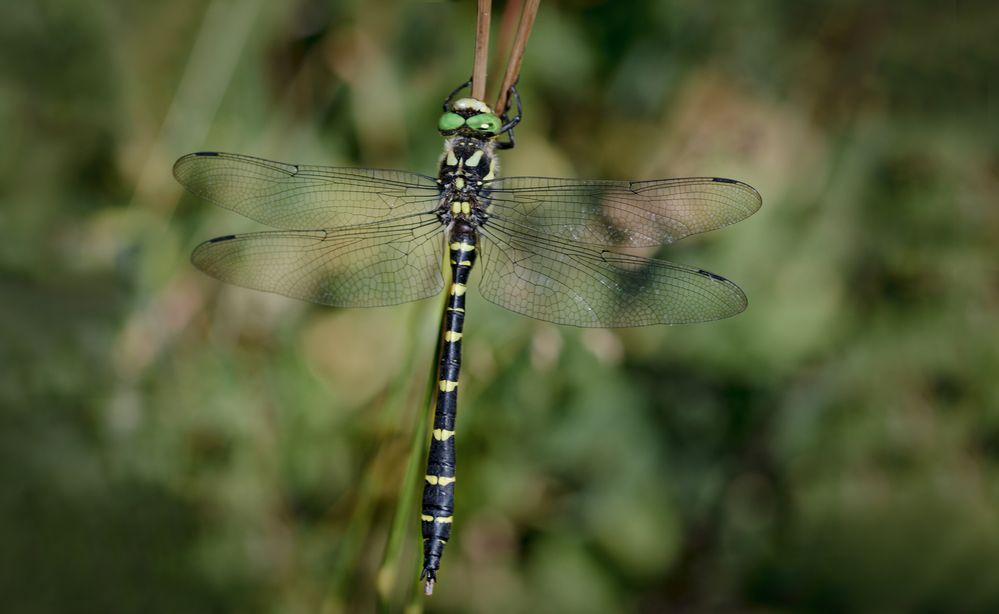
[470,117]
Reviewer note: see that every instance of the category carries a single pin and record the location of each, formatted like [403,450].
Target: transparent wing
[621,213]
[295,196]
[361,266]
[563,283]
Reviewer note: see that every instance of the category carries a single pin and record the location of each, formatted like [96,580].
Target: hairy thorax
[466,167]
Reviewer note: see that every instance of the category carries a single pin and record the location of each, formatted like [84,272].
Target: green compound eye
[449,122]
[484,122]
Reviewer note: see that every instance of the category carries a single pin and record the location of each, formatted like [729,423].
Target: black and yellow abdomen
[438,490]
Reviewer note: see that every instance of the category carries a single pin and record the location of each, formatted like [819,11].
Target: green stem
[392,566]
[357,531]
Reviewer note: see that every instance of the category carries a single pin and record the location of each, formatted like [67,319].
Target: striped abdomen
[438,490]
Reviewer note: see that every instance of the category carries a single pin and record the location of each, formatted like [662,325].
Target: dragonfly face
[550,249]
[470,117]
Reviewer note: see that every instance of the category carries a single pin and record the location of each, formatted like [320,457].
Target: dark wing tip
[183,160]
[734,297]
[205,247]
[713,276]
[198,253]
[758,200]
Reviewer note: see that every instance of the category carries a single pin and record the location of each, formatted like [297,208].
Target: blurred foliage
[171,445]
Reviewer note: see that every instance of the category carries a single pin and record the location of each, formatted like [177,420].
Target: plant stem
[517,55]
[481,50]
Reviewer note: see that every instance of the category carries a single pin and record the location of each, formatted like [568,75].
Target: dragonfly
[558,250]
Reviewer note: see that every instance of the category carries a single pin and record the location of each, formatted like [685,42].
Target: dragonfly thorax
[468,164]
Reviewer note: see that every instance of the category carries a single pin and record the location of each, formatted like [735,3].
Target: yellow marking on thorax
[452,160]
[455,208]
[459,182]
[458,289]
[466,208]
[451,336]
[443,434]
[447,385]
[441,480]
[492,170]
[475,158]
[468,247]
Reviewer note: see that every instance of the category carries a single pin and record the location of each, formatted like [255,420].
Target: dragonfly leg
[450,97]
[507,144]
[513,98]
[508,124]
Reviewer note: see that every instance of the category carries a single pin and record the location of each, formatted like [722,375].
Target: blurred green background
[169,444]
